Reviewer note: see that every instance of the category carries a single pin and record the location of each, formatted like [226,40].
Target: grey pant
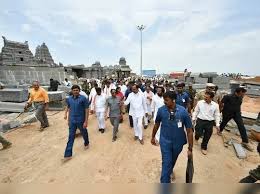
[115,122]
[3,141]
[41,114]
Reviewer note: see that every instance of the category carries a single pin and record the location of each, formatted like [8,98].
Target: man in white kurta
[98,106]
[138,109]
[108,87]
[148,94]
[157,102]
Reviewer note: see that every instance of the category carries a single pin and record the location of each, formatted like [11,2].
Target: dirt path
[36,157]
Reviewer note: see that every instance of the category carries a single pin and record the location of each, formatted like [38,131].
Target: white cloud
[175,27]
[26,28]
[65,42]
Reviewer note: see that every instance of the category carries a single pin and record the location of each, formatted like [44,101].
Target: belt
[206,120]
[40,102]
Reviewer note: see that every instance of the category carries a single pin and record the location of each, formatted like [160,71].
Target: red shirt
[120,95]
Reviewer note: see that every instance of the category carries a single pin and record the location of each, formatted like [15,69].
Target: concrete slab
[4,127]
[198,86]
[249,115]
[208,74]
[221,80]
[200,80]
[57,105]
[253,92]
[13,95]
[12,107]
[256,128]
[56,96]
[240,152]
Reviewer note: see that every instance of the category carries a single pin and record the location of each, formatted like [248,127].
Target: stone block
[56,96]
[254,87]
[256,128]
[24,86]
[241,154]
[14,124]
[201,80]
[223,86]
[13,95]
[253,92]
[208,74]
[4,126]
[64,88]
[29,119]
[198,86]
[57,105]
[221,80]
[12,107]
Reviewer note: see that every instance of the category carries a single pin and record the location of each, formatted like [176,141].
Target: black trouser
[205,128]
[130,117]
[240,124]
[248,179]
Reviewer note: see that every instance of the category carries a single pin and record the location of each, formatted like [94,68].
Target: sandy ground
[251,104]
[36,157]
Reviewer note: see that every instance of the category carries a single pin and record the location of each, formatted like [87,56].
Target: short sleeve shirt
[114,106]
[232,104]
[173,130]
[77,106]
[182,99]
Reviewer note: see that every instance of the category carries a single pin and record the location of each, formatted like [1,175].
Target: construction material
[12,107]
[240,152]
[13,95]
[56,96]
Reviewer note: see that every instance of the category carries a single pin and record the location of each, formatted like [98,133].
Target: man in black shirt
[54,84]
[231,109]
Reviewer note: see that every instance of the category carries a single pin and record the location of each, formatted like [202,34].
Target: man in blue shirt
[183,98]
[172,119]
[77,109]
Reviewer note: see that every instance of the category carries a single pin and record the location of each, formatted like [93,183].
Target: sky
[202,35]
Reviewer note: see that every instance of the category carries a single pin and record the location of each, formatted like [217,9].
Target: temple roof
[14,42]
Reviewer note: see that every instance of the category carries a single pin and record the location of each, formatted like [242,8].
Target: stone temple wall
[16,53]
[26,75]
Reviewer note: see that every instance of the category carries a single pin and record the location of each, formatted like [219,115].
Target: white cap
[210,85]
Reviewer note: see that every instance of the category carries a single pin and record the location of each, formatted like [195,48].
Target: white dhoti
[137,121]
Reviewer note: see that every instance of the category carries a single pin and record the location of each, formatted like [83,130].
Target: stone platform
[13,95]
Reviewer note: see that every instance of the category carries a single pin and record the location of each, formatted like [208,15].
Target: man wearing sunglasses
[172,118]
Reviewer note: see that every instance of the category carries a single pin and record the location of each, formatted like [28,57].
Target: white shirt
[107,90]
[157,102]
[68,83]
[99,103]
[148,95]
[82,93]
[137,103]
[205,111]
[123,89]
[92,94]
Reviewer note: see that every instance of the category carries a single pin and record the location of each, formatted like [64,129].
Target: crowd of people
[175,110]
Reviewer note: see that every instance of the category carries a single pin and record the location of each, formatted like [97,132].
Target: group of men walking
[170,109]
